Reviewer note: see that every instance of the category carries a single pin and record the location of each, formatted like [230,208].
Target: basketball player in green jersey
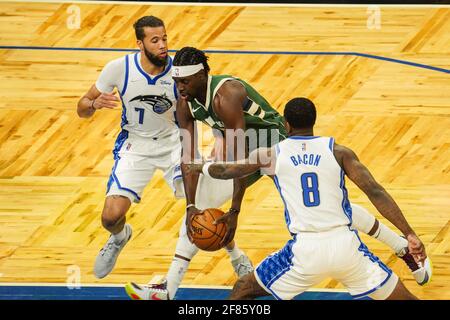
[234,108]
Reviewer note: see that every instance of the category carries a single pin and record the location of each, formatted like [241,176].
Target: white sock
[389,237]
[175,274]
[234,253]
[119,237]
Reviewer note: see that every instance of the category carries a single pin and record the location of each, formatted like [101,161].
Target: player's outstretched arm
[380,198]
[93,100]
[258,159]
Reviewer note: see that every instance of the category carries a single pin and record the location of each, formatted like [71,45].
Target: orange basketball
[206,235]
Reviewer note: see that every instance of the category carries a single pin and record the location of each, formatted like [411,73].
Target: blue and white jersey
[311,184]
[148,102]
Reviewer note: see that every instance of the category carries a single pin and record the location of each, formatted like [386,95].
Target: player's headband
[184,71]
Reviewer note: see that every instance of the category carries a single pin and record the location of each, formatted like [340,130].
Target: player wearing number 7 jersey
[149,140]
[309,172]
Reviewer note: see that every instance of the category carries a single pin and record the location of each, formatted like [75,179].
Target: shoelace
[243,265]
[160,287]
[107,248]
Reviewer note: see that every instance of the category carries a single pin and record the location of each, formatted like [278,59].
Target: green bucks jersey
[258,114]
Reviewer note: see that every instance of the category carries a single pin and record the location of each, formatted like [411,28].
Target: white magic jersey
[148,101]
[311,184]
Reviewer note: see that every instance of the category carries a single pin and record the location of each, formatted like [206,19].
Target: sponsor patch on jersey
[160,104]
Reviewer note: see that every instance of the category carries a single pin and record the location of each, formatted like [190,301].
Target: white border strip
[115,285]
[230,4]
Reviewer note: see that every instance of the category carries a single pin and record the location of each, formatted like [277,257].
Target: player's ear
[140,44]
[287,126]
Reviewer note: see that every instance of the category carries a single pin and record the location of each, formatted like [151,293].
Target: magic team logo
[160,104]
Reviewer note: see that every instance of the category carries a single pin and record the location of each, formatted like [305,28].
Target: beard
[157,61]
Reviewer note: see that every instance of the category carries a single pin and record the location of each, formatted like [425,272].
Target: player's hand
[230,219]
[191,212]
[416,248]
[106,100]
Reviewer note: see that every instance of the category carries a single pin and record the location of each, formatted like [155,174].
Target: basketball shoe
[421,273]
[107,257]
[242,266]
[148,292]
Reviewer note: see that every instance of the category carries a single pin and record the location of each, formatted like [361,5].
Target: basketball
[206,235]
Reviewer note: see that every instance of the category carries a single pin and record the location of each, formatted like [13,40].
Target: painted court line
[349,53]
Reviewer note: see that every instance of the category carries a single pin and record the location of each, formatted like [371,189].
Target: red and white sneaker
[148,292]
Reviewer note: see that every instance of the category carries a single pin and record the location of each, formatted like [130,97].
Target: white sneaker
[421,273]
[242,266]
[148,292]
[107,257]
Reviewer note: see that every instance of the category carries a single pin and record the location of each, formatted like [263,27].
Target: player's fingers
[110,96]
[219,220]
[105,104]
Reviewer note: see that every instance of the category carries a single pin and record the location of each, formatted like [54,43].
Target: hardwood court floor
[54,166]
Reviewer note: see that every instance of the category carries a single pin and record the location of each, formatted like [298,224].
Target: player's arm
[101,95]
[380,198]
[258,159]
[188,143]
[228,103]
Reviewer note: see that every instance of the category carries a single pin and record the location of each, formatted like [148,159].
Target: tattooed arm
[380,198]
[258,159]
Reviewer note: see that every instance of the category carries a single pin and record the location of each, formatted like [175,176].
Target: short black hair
[146,21]
[189,56]
[300,113]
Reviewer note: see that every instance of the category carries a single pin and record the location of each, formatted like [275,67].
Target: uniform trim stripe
[123,135]
[127,69]
[118,183]
[275,266]
[286,211]
[331,144]
[253,108]
[303,137]
[363,248]
[150,80]
[346,207]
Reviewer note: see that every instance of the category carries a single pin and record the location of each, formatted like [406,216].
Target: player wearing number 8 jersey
[309,174]
[231,105]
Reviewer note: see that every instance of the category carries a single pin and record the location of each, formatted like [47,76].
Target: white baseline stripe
[115,285]
[230,4]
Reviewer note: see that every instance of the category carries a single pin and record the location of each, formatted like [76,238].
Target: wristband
[205,169]
[190,205]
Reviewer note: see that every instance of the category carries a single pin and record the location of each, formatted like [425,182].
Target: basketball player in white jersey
[309,173]
[149,140]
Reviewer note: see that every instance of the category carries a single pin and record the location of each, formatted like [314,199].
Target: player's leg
[285,273]
[363,273]
[129,176]
[247,288]
[363,221]
[213,193]
[401,293]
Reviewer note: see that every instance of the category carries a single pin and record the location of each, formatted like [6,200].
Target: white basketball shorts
[136,160]
[311,257]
